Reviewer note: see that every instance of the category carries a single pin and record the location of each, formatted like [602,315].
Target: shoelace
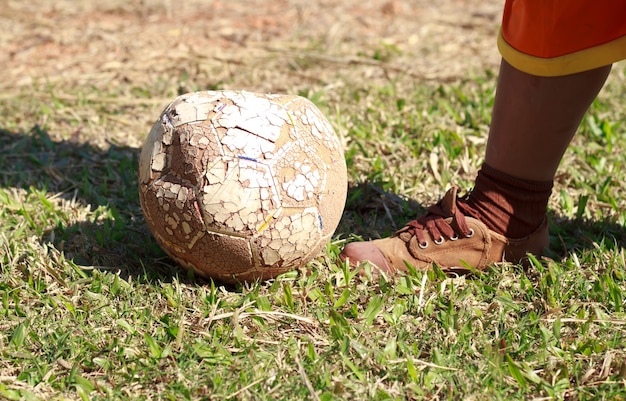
[435,224]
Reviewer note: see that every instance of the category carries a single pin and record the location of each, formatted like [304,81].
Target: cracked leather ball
[241,186]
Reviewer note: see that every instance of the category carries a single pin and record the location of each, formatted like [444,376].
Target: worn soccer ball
[241,186]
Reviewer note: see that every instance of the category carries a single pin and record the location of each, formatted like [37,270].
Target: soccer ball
[241,186]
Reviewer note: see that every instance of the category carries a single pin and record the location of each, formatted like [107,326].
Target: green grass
[92,309]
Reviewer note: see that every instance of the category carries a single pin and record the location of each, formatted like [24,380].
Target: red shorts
[560,37]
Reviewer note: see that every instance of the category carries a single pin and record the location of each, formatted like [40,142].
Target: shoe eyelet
[439,241]
[471,233]
[456,237]
[423,245]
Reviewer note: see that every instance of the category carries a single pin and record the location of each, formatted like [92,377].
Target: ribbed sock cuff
[529,185]
[508,205]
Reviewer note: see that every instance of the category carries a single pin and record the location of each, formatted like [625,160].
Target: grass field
[92,309]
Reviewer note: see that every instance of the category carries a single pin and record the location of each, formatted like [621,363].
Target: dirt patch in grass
[116,64]
[254,44]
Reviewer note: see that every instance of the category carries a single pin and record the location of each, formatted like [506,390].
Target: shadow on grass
[371,212]
[114,236]
[572,235]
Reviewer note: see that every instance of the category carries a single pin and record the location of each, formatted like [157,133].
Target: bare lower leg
[534,119]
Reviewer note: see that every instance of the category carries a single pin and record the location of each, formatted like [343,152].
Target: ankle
[508,205]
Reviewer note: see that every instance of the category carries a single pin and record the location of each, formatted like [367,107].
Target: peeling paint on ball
[241,186]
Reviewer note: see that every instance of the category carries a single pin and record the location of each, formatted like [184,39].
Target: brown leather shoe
[447,238]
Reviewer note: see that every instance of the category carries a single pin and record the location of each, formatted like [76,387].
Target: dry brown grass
[109,53]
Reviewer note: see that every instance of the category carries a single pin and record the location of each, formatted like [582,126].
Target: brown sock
[507,205]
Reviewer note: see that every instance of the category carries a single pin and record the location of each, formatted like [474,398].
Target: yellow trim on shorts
[583,60]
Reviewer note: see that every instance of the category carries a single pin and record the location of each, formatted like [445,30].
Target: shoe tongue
[448,202]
